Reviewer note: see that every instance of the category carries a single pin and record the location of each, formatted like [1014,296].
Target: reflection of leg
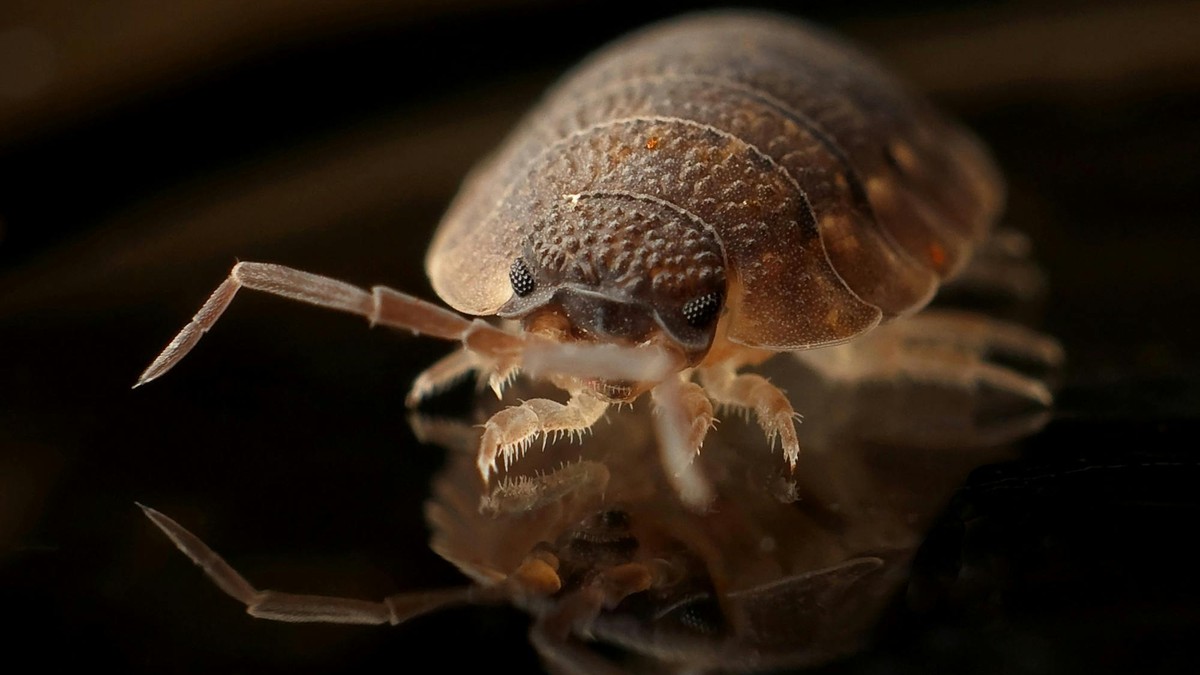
[510,432]
[528,493]
[556,633]
[307,608]
[683,415]
[554,636]
[943,347]
[753,392]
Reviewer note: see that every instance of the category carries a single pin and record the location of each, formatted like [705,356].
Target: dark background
[145,146]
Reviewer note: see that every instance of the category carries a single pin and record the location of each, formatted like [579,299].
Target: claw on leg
[754,392]
[510,432]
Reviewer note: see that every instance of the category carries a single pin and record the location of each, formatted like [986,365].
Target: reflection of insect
[619,576]
[692,200]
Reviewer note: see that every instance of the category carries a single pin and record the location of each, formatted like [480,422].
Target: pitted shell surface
[834,198]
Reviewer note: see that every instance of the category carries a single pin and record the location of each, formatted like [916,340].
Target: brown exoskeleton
[689,202]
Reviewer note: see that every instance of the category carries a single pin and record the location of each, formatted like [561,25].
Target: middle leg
[754,392]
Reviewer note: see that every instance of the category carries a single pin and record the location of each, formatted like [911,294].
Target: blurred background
[145,146]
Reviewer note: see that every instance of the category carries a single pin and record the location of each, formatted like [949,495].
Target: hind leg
[943,347]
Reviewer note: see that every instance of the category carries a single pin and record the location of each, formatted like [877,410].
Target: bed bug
[688,202]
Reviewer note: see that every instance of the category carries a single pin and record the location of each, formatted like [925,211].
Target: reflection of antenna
[294,608]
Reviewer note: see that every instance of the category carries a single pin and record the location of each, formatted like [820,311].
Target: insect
[690,201]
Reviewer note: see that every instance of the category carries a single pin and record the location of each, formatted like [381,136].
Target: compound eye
[700,312]
[521,278]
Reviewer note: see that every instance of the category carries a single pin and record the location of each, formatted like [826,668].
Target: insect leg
[683,414]
[448,370]
[525,493]
[977,334]
[754,392]
[510,432]
[380,306]
[291,607]
[1000,268]
[552,634]
[945,348]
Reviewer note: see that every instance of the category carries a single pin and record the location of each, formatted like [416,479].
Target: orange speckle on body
[652,142]
[937,255]
[619,154]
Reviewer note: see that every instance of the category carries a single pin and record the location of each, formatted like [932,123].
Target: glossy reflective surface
[786,569]
[284,443]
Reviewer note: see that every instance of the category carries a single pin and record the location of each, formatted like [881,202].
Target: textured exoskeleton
[689,201]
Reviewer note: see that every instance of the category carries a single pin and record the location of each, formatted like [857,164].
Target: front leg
[754,392]
[510,432]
